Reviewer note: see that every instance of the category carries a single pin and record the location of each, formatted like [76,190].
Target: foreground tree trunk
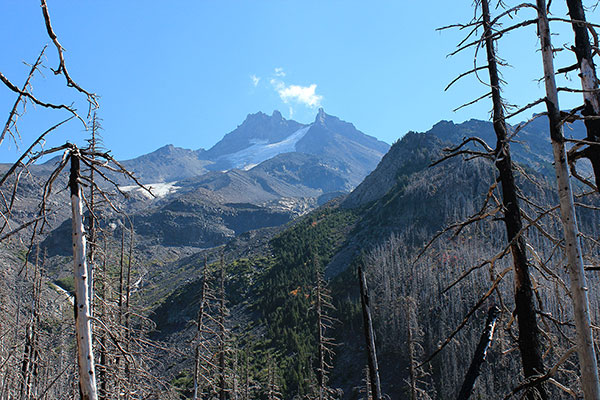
[529,342]
[589,84]
[369,336]
[585,344]
[83,331]
[480,354]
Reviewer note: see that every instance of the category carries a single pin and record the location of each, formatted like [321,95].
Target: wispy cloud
[255,79]
[296,94]
[279,72]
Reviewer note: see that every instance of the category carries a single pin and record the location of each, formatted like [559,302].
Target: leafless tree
[372,365]
[323,308]
[579,288]
[589,85]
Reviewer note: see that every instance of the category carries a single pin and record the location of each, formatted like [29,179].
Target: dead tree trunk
[273,391]
[200,332]
[222,388]
[589,84]
[83,331]
[127,336]
[480,354]
[325,344]
[320,338]
[412,371]
[93,234]
[102,371]
[369,336]
[529,343]
[585,344]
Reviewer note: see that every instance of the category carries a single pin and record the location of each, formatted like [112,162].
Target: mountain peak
[255,117]
[276,115]
[321,116]
[166,149]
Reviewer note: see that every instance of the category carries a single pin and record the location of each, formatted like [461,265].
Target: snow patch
[260,150]
[158,189]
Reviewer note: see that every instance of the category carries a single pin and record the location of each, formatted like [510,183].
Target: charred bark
[480,354]
[589,84]
[529,342]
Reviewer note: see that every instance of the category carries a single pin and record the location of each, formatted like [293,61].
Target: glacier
[261,150]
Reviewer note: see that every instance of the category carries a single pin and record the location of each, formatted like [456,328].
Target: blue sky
[188,72]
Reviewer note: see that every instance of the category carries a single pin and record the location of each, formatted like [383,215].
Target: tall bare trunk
[92,227]
[200,333]
[480,353]
[585,344]
[369,336]
[320,339]
[102,371]
[412,372]
[222,388]
[589,83]
[529,343]
[83,331]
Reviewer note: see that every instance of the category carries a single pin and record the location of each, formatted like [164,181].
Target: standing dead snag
[222,333]
[324,322]
[273,391]
[589,85]
[585,343]
[83,331]
[200,332]
[529,342]
[480,354]
[369,337]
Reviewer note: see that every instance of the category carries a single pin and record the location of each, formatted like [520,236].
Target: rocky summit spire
[321,116]
[277,115]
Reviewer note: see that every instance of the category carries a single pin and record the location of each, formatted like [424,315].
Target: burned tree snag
[589,84]
[529,342]
[320,339]
[325,344]
[83,331]
[581,310]
[369,336]
[480,354]
[200,332]
[222,347]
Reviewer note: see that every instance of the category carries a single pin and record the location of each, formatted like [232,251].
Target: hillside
[387,219]
[276,221]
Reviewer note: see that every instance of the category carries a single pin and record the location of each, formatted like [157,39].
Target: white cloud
[297,94]
[279,72]
[255,80]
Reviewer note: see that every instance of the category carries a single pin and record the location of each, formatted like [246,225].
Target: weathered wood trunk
[83,331]
[529,343]
[200,334]
[369,336]
[589,83]
[102,369]
[480,354]
[412,371]
[320,338]
[585,344]
[222,388]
